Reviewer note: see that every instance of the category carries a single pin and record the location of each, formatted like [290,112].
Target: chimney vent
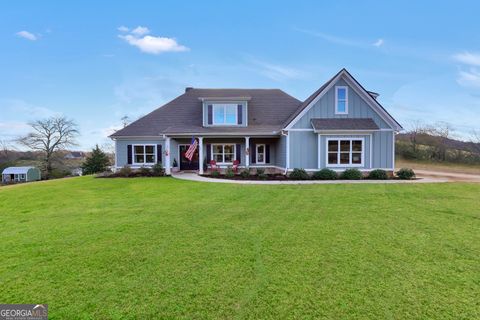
[188,89]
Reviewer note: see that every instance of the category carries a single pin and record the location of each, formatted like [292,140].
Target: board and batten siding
[304,149]
[325,108]
[121,150]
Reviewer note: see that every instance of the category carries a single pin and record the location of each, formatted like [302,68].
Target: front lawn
[163,248]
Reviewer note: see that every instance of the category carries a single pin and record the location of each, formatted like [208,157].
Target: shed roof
[17,170]
[344,124]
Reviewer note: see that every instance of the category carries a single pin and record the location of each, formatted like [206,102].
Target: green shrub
[245,174]
[325,174]
[378,174]
[299,174]
[158,170]
[351,174]
[144,171]
[96,162]
[260,171]
[215,174]
[262,176]
[405,174]
[126,171]
[229,173]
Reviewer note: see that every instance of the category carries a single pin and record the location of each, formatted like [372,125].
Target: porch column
[200,155]
[247,152]
[167,156]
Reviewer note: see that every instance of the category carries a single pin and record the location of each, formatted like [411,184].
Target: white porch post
[200,155]
[167,156]
[247,152]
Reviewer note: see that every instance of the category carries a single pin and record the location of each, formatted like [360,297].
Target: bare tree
[475,140]
[5,147]
[443,131]
[418,129]
[49,136]
[125,120]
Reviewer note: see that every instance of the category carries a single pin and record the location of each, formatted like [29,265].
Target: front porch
[250,152]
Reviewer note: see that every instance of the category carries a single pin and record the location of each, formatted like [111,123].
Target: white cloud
[470,78]
[276,72]
[123,29]
[468,58]
[154,45]
[379,43]
[27,35]
[140,31]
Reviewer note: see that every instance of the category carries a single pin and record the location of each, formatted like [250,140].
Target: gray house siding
[244,111]
[325,108]
[383,147]
[121,150]
[281,152]
[303,149]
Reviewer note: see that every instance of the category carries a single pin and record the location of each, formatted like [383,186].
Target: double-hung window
[224,114]
[345,152]
[144,154]
[260,153]
[223,153]
[341,100]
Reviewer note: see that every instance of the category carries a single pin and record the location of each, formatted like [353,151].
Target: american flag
[191,149]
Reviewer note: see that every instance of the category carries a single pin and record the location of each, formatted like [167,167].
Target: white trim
[145,163]
[247,151]
[168,154]
[341,165]
[336,99]
[305,129]
[319,159]
[371,150]
[264,153]
[345,168]
[347,131]
[223,152]
[224,106]
[373,103]
[287,161]
[393,149]
[200,155]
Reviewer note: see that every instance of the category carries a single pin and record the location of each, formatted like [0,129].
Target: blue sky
[96,62]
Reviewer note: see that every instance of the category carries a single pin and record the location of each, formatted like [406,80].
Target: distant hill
[428,139]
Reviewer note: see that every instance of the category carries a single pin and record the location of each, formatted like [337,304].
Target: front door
[186,164]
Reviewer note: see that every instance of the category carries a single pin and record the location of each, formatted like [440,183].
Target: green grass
[163,248]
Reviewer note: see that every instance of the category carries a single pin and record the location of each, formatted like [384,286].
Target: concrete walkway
[195,177]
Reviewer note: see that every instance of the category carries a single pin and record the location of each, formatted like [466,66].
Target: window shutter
[129,154]
[209,153]
[159,153]
[239,114]
[267,153]
[254,153]
[210,114]
[238,152]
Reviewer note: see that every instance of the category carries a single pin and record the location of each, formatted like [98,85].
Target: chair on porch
[213,165]
[235,166]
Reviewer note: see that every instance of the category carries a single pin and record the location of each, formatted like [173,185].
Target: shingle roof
[268,109]
[344,124]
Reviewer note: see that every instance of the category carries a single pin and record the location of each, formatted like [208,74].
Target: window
[260,154]
[345,152]
[144,154]
[223,153]
[341,100]
[225,114]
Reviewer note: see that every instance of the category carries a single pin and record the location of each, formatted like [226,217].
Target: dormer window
[225,114]
[341,100]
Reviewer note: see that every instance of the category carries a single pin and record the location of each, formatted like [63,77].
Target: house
[20,174]
[75,155]
[340,126]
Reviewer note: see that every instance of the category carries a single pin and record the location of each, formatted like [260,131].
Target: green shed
[20,174]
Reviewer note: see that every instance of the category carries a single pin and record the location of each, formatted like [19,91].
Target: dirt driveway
[450,176]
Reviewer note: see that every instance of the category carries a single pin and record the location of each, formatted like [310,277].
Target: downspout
[287,160]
